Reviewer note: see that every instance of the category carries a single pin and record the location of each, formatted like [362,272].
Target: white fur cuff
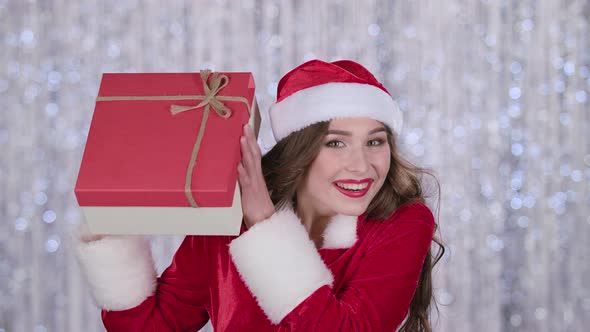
[279,264]
[119,269]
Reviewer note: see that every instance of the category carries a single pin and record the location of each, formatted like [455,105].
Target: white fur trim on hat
[333,100]
[120,269]
[279,263]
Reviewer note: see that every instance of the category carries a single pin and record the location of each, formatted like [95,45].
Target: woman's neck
[314,223]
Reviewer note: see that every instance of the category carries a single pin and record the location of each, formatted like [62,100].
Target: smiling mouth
[355,190]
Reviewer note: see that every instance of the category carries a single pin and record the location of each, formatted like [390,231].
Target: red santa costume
[272,277]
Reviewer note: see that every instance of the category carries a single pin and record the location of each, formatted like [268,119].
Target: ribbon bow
[218,82]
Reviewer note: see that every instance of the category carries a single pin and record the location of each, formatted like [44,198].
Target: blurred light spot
[516,203]
[529,201]
[527,25]
[515,68]
[27,37]
[492,58]
[459,131]
[515,92]
[476,163]
[516,134]
[272,10]
[49,216]
[523,222]
[559,86]
[569,68]
[374,29]
[517,149]
[40,198]
[515,320]
[516,183]
[514,111]
[413,136]
[113,50]
[52,243]
[275,41]
[581,96]
[446,298]
[51,109]
[576,175]
[465,215]
[540,313]
[73,76]
[494,243]
[557,63]
[21,224]
[568,315]
[31,92]
[54,77]
[418,150]
[410,31]
[564,118]
[564,170]
[486,190]
[504,121]
[40,328]
[490,40]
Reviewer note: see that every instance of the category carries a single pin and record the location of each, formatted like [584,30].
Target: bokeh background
[495,96]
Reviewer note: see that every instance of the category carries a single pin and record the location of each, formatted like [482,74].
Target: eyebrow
[348,133]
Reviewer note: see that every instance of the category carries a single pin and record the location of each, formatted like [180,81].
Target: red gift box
[162,153]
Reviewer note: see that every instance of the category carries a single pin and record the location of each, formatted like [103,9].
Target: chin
[352,210]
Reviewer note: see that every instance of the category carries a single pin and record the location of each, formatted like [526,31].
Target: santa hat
[318,91]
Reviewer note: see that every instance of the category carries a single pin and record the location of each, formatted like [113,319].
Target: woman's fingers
[252,143]
[247,159]
[244,180]
[250,152]
[254,150]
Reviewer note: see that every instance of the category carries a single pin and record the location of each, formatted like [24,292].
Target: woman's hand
[256,203]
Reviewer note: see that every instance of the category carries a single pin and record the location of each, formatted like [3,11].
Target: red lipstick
[354,181]
[354,194]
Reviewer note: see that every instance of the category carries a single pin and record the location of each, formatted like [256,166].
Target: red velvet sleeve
[294,287]
[378,295]
[181,298]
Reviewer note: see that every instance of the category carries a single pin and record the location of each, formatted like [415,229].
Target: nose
[357,161]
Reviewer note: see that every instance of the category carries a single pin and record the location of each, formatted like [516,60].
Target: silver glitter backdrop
[495,96]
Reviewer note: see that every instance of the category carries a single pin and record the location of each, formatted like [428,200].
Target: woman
[336,234]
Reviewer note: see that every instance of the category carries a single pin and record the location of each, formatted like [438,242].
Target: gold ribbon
[210,99]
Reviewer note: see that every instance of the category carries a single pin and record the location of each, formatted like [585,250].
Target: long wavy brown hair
[285,167]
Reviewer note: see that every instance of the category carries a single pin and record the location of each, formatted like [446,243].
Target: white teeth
[352,186]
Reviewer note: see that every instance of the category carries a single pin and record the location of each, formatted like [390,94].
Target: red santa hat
[318,91]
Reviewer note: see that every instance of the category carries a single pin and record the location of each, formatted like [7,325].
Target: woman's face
[349,170]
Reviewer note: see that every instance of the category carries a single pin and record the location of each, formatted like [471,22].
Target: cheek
[384,168]
[382,163]
[323,168]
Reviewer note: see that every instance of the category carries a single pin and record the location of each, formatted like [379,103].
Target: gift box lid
[149,145]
